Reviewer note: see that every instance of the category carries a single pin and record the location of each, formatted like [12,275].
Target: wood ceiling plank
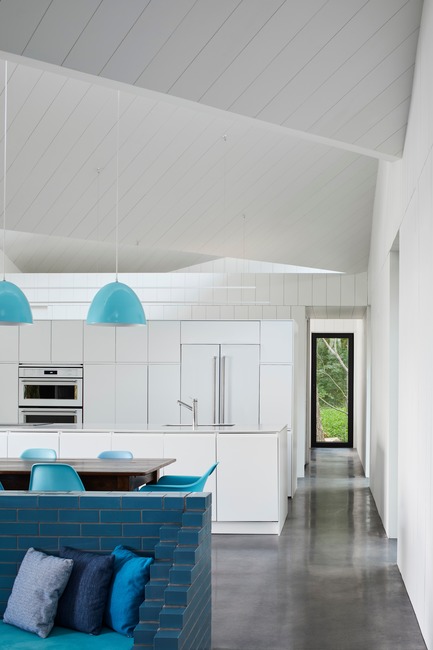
[55,140]
[59,29]
[145,39]
[367,38]
[185,43]
[365,89]
[222,49]
[18,21]
[103,34]
[255,58]
[295,54]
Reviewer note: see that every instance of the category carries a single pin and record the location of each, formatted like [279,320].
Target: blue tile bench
[175,528]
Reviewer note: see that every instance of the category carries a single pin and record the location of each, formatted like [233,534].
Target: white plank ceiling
[248,129]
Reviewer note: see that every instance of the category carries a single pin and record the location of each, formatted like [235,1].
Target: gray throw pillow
[38,586]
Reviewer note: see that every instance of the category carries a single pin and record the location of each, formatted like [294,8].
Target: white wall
[404,205]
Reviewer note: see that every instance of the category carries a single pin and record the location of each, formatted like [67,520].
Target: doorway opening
[332,390]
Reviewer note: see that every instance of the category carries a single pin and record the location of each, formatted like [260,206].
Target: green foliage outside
[332,386]
[334,424]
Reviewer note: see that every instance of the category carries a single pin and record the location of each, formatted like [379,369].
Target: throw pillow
[83,602]
[131,572]
[38,586]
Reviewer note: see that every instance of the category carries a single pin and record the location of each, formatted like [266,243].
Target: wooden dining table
[96,473]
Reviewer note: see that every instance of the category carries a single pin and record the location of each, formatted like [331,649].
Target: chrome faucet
[193,409]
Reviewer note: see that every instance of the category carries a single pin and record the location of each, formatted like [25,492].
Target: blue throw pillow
[38,586]
[83,602]
[131,572]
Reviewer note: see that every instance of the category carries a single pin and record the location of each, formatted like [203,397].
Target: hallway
[329,582]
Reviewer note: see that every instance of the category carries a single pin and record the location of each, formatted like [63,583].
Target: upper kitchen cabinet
[67,341]
[54,341]
[163,393]
[131,344]
[9,344]
[221,332]
[164,341]
[9,392]
[131,393]
[35,342]
[99,344]
[276,342]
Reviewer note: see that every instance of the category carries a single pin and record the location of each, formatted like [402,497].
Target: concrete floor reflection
[329,582]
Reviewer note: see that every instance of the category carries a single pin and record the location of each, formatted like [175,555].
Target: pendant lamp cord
[4,164]
[117,183]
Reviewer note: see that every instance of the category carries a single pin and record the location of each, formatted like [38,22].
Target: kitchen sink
[199,426]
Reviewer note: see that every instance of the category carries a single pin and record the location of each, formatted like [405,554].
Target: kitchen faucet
[193,408]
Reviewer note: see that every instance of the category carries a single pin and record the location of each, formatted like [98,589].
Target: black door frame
[329,335]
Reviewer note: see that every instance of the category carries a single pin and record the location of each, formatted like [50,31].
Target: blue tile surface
[175,529]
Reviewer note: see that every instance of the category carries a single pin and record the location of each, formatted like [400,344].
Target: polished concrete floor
[329,582]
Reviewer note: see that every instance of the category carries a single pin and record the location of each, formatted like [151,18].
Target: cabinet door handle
[215,359]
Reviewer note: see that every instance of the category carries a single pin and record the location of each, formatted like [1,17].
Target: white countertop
[140,428]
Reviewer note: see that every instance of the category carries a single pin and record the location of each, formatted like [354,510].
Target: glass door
[332,390]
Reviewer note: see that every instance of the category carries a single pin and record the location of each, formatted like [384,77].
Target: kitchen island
[249,488]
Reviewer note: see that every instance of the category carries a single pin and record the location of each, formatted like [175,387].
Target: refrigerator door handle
[215,383]
[223,389]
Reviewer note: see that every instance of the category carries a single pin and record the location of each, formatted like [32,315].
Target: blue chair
[1,486]
[171,483]
[116,454]
[55,477]
[39,453]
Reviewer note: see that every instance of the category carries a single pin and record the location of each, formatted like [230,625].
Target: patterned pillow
[38,586]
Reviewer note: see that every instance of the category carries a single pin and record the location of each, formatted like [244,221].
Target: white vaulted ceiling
[310,96]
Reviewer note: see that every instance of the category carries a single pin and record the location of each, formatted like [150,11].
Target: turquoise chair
[55,477]
[116,454]
[172,483]
[39,453]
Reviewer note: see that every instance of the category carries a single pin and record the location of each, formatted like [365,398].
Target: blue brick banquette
[174,528]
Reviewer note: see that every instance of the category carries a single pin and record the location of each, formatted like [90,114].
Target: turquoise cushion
[61,638]
[131,572]
[38,586]
[83,602]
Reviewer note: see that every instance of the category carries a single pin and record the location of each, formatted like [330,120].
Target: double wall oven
[50,395]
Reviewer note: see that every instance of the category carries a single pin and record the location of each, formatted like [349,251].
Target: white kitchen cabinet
[163,392]
[276,394]
[99,344]
[224,379]
[245,491]
[164,341]
[35,342]
[19,441]
[83,445]
[9,344]
[99,393]
[131,394]
[276,341]
[245,332]
[194,453]
[131,344]
[142,445]
[3,444]
[67,341]
[9,393]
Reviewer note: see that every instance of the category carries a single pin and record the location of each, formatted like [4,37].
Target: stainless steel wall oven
[52,395]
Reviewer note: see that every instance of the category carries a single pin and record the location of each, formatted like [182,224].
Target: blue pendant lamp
[116,303]
[14,306]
